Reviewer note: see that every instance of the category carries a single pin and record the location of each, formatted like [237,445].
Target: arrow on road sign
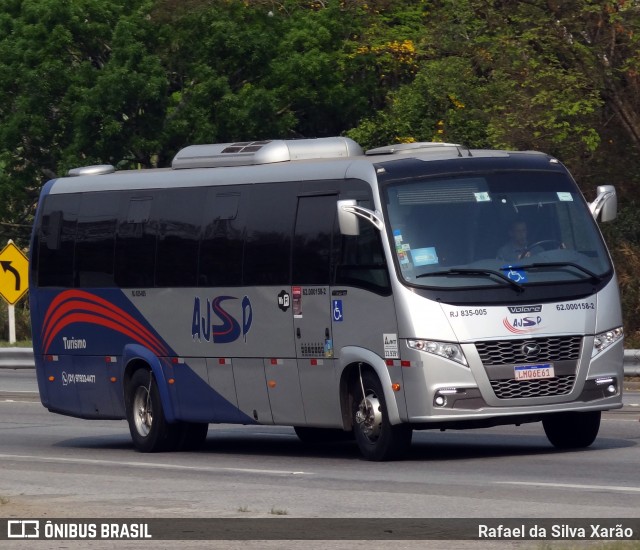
[6,266]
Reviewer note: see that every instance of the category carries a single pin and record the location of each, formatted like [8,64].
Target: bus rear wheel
[572,430]
[376,437]
[149,428]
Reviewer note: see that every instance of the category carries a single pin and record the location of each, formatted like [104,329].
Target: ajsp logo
[229,329]
[522,325]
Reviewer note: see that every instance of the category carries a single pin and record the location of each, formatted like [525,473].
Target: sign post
[14,281]
[12,324]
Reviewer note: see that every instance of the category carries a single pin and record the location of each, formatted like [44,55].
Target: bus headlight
[443,349]
[603,340]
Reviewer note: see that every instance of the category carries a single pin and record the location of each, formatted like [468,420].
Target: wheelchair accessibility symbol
[516,275]
[337,311]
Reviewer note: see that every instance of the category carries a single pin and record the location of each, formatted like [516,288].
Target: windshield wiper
[591,274]
[473,271]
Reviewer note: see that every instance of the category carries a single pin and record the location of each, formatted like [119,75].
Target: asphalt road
[55,466]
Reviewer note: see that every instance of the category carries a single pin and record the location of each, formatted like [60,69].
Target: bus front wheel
[572,430]
[376,437]
[149,428]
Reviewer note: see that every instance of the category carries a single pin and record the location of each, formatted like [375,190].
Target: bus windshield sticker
[397,236]
[391,346]
[515,274]
[565,196]
[403,258]
[424,256]
[483,196]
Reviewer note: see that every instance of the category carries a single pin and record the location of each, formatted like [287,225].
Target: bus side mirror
[605,205]
[347,219]
[348,214]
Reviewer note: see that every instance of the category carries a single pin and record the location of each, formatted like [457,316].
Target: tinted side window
[180,215]
[136,242]
[95,239]
[56,240]
[270,221]
[223,239]
[361,261]
[313,239]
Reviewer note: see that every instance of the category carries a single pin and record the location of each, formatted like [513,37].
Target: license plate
[533,372]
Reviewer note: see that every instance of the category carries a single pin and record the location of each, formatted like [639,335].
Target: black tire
[149,428]
[377,439]
[572,430]
[318,436]
[192,436]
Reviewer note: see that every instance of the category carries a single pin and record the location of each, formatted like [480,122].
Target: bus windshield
[509,229]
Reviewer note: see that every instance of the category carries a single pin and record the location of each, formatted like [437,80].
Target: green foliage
[59,65]
[23,322]
[441,104]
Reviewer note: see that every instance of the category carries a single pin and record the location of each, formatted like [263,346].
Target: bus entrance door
[311,304]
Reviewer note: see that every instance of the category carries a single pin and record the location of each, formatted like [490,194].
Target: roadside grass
[243,509]
[18,344]
[3,501]
[278,512]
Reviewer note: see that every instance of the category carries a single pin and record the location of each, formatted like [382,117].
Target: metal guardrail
[632,362]
[22,358]
[16,358]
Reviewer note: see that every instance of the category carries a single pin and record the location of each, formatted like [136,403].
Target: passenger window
[313,238]
[267,249]
[95,240]
[56,240]
[180,217]
[136,243]
[223,240]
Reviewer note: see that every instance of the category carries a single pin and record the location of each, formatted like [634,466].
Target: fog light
[440,401]
[611,389]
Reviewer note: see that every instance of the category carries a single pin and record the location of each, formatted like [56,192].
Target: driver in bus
[517,247]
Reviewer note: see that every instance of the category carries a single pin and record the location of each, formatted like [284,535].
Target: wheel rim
[142,411]
[369,417]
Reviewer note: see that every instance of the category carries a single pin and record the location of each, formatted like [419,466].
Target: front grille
[509,352]
[521,389]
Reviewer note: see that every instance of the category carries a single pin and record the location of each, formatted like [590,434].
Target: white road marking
[609,488]
[159,466]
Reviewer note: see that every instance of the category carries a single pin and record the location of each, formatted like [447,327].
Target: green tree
[59,104]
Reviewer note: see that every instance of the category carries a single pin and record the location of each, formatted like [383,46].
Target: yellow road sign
[14,273]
